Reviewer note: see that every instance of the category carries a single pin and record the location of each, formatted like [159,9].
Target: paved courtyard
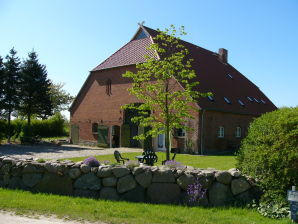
[57,152]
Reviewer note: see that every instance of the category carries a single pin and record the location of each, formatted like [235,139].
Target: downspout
[202,128]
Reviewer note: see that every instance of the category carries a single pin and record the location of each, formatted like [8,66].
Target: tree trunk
[167,141]
[9,127]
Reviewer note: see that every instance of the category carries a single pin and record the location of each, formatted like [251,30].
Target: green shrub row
[56,125]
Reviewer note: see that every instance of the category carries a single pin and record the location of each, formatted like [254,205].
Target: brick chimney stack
[223,55]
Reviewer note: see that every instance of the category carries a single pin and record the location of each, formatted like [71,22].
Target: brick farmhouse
[222,120]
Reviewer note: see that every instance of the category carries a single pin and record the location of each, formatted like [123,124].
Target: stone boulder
[5,169]
[185,180]
[163,176]
[85,168]
[135,195]
[109,181]
[74,173]
[144,178]
[88,182]
[126,183]
[163,193]
[104,171]
[109,193]
[234,172]
[223,177]
[239,185]
[29,168]
[31,179]
[220,194]
[52,183]
[53,167]
[120,171]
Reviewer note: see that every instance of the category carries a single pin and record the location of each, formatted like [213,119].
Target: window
[238,132]
[257,100]
[221,132]
[227,100]
[263,101]
[95,128]
[180,132]
[241,103]
[230,76]
[109,87]
[250,99]
[211,98]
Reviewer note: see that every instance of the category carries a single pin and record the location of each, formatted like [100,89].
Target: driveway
[12,218]
[57,152]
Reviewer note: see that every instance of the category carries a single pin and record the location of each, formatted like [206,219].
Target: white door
[161,146]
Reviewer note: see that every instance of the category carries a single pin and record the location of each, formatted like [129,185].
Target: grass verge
[125,212]
[224,162]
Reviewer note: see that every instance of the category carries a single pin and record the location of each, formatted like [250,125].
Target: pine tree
[35,89]
[11,79]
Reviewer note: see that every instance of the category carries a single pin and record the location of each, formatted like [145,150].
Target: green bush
[269,153]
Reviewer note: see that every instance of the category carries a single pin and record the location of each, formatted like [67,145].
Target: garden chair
[173,158]
[149,158]
[119,158]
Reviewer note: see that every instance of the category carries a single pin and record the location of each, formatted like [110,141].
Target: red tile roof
[211,73]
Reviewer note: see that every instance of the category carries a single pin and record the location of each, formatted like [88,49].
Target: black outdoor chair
[173,158]
[149,158]
[119,158]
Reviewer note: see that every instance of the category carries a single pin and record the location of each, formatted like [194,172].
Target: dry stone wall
[138,184]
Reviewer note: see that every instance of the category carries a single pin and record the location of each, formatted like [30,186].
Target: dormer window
[230,76]
[109,87]
[257,100]
[250,99]
[211,98]
[263,101]
[227,100]
[241,103]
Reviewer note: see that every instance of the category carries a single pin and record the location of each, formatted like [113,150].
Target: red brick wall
[211,122]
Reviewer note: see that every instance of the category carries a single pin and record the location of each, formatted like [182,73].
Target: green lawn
[124,212]
[217,162]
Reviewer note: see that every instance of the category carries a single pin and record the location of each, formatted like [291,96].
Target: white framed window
[180,132]
[227,100]
[238,132]
[221,132]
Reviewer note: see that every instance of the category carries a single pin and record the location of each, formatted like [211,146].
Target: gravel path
[57,152]
[12,218]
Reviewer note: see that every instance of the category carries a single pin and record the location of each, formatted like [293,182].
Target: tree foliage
[270,152]
[11,79]
[59,97]
[157,84]
[35,89]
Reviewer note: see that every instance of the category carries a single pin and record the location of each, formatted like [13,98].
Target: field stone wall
[139,184]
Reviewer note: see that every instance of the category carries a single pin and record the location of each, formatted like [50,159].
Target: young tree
[11,80]
[35,89]
[157,84]
[59,97]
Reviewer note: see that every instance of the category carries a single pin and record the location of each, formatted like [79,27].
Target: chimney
[223,55]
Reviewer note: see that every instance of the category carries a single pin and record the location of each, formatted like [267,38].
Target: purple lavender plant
[196,191]
[91,161]
[174,164]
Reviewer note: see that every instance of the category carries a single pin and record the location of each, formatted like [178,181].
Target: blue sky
[72,36]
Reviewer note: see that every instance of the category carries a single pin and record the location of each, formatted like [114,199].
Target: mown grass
[218,162]
[125,212]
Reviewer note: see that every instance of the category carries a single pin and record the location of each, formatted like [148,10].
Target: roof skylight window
[227,100]
[250,99]
[230,76]
[241,103]
[258,101]
[263,101]
[211,98]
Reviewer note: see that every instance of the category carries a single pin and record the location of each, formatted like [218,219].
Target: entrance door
[161,146]
[74,134]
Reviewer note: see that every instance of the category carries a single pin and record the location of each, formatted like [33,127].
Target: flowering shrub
[196,191]
[174,164]
[91,161]
[132,163]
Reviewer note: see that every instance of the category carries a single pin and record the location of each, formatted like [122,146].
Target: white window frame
[238,132]
[221,132]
